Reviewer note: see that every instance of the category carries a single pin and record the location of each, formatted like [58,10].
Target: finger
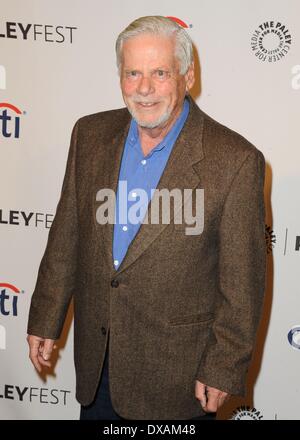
[34,347]
[48,347]
[212,401]
[43,362]
[36,363]
[222,399]
[200,394]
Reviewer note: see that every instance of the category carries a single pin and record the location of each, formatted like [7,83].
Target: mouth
[146,104]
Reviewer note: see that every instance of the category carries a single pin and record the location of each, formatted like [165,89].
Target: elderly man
[164,320]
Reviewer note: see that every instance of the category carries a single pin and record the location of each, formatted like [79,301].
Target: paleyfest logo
[271,41]
[48,33]
[35,395]
[2,78]
[2,337]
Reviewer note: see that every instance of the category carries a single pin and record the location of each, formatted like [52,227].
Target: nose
[145,86]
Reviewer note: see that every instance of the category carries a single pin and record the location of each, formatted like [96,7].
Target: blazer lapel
[178,173]
[110,179]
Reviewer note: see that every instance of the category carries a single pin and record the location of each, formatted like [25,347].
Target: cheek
[169,91]
[128,88]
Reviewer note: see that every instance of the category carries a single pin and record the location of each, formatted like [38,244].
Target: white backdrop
[57,63]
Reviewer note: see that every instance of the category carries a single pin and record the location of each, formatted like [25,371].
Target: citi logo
[180,22]
[2,78]
[10,120]
[9,296]
[2,338]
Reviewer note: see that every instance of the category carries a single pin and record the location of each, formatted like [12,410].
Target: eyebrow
[129,69]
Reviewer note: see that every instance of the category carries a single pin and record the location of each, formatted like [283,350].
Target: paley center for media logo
[9,297]
[294,337]
[246,413]
[48,33]
[295,77]
[270,238]
[271,41]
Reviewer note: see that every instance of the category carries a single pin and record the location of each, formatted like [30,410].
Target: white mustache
[144,101]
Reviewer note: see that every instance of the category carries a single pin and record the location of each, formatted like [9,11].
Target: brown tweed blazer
[180,307]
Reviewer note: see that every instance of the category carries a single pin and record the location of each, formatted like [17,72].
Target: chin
[146,124]
[151,122]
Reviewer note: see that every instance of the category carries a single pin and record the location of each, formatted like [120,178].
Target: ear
[190,77]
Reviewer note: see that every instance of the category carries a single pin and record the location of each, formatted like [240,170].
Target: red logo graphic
[178,21]
[12,121]
[8,303]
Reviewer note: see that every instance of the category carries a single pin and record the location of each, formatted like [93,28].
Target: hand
[40,350]
[210,398]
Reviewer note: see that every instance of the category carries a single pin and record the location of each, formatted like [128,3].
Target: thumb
[200,392]
[48,347]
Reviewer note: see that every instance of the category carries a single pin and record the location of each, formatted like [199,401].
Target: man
[179,311]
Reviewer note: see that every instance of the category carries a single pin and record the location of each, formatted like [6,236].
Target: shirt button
[143,162]
[103,330]
[116,262]
[114,283]
[124,228]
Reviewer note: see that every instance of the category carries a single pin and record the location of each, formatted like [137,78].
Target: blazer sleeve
[242,265]
[56,276]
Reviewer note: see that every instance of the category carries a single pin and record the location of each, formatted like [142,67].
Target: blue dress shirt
[139,175]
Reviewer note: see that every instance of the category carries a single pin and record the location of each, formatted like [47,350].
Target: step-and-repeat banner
[57,63]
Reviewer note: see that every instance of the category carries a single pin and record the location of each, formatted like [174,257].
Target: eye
[161,74]
[131,74]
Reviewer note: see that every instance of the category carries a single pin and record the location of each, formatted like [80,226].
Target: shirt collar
[133,134]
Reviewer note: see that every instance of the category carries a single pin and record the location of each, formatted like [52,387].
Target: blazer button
[103,330]
[114,283]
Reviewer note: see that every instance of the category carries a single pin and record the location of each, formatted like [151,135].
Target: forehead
[149,49]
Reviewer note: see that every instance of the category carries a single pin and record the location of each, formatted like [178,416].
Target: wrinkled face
[152,88]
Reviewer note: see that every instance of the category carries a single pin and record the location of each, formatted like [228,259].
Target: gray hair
[159,25]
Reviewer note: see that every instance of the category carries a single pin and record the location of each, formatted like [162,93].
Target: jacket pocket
[195,318]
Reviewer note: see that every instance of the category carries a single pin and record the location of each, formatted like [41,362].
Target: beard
[162,119]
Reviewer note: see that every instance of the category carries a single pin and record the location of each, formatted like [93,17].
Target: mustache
[144,101]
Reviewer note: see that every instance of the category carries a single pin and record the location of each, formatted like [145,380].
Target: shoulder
[224,143]
[106,121]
